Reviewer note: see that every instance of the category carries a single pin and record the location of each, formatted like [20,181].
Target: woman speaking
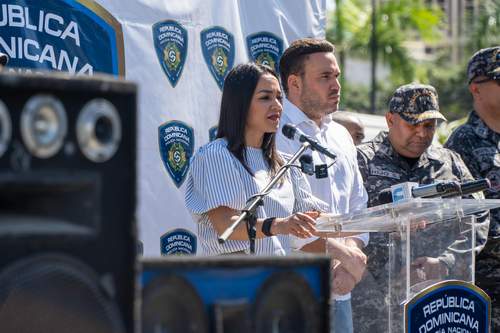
[240,163]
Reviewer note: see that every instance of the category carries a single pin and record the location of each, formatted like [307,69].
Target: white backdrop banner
[179,52]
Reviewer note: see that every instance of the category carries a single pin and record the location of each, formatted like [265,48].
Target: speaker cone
[43,125]
[171,304]
[99,130]
[5,128]
[286,303]
[55,294]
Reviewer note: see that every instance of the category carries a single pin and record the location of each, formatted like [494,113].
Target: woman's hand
[301,225]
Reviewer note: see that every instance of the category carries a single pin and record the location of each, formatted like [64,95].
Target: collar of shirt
[295,116]
[481,129]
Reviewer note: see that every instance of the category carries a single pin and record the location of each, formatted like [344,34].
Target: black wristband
[266,226]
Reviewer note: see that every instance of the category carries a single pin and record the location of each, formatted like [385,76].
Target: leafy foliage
[399,21]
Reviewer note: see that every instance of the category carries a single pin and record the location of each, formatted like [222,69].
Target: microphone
[293,132]
[306,164]
[443,189]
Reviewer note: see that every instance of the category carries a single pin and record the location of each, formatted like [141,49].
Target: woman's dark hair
[239,87]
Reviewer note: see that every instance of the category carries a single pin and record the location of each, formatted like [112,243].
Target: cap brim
[427,115]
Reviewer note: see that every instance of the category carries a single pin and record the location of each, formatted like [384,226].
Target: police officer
[405,153]
[478,143]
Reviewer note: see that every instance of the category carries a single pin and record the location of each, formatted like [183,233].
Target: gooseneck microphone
[294,133]
[443,189]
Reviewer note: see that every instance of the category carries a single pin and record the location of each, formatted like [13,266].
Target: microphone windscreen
[475,186]
[306,164]
[288,131]
[306,158]
[385,196]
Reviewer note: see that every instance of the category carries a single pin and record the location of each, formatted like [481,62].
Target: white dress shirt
[343,189]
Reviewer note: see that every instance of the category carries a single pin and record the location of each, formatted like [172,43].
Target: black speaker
[67,204]
[236,294]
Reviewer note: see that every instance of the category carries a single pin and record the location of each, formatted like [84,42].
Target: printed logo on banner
[212,133]
[265,48]
[217,45]
[79,37]
[171,41]
[449,306]
[178,242]
[176,141]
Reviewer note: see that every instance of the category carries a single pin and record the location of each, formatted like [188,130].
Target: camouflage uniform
[479,147]
[381,166]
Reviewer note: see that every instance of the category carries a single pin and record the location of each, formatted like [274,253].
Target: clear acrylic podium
[410,236]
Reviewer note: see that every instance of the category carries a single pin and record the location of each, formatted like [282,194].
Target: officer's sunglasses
[495,77]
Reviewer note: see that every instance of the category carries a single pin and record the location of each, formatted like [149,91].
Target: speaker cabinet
[236,294]
[67,204]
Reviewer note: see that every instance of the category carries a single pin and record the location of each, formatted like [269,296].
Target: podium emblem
[449,306]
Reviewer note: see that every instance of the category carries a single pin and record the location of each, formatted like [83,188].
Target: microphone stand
[249,212]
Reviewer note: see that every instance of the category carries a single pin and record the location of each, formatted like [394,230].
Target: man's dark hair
[239,87]
[292,60]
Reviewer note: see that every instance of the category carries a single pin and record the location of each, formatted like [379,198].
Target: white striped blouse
[217,179]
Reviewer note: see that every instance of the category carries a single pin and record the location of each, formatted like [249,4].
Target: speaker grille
[286,303]
[53,293]
[171,304]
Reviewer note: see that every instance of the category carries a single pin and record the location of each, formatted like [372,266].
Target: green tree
[485,24]
[396,22]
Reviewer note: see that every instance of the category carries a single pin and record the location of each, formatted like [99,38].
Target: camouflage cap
[485,62]
[415,103]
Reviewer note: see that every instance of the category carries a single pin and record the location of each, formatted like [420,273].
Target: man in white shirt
[309,75]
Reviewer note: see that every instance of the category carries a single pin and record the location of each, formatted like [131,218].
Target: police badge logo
[178,242]
[448,306]
[265,48]
[176,142]
[78,37]
[171,41]
[217,45]
[212,133]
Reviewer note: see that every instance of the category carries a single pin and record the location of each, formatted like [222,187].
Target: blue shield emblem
[449,306]
[265,48]
[176,141]
[79,37]
[178,242]
[212,133]
[171,41]
[217,45]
